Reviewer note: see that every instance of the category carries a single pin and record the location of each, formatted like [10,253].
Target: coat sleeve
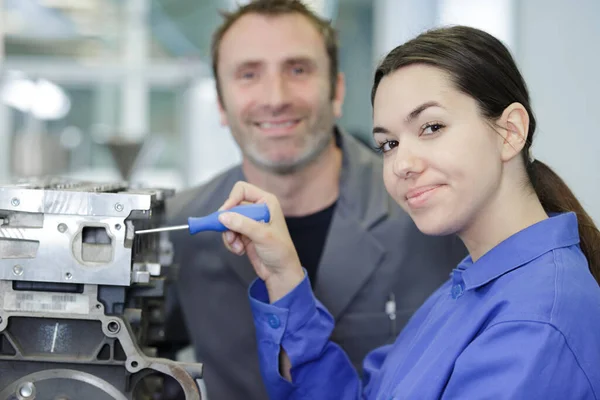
[301,325]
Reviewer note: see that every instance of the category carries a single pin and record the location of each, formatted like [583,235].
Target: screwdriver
[257,212]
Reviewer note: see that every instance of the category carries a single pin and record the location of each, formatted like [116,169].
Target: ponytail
[556,197]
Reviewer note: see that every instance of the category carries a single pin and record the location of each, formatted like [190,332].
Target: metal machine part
[81,295]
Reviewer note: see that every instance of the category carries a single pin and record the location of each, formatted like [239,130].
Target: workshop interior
[109,107]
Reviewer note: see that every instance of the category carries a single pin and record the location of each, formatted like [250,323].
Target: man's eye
[248,75]
[298,70]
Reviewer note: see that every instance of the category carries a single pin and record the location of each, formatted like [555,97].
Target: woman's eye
[387,146]
[430,129]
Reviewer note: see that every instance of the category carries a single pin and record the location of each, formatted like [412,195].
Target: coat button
[274,321]
[457,291]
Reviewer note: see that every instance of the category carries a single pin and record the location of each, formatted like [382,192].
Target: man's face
[275,90]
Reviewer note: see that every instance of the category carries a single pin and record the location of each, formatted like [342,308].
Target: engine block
[81,295]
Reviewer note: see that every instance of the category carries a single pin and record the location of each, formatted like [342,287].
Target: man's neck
[304,192]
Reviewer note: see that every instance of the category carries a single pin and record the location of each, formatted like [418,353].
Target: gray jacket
[373,253]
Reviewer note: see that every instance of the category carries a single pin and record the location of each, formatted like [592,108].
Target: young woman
[520,316]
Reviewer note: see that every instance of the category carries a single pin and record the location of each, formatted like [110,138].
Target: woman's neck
[510,211]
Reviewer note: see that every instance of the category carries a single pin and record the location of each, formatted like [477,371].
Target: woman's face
[442,159]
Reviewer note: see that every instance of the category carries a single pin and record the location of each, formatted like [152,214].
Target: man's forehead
[284,23]
[272,37]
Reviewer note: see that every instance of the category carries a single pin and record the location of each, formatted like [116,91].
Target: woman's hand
[268,245]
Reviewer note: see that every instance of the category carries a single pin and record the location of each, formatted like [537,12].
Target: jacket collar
[352,253]
[554,232]
[361,188]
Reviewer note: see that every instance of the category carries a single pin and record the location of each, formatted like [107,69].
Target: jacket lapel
[351,255]
[198,203]
[241,266]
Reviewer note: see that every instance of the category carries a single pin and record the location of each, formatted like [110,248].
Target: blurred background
[122,89]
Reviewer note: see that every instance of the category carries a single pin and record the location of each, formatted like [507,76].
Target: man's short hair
[277,8]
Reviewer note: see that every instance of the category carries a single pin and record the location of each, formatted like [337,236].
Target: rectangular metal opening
[96,245]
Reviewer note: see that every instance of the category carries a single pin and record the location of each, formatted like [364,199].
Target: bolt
[119,207]
[62,228]
[118,227]
[26,390]
[15,202]
[68,275]
[18,270]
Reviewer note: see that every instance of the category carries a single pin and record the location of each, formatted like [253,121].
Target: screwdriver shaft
[169,228]
[257,212]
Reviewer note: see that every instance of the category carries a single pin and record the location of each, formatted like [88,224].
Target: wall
[354,25]
[557,51]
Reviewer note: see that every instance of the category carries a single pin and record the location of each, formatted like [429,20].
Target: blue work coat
[522,322]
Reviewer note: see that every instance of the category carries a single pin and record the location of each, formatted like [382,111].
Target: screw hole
[113,326]
[134,364]
[68,275]
[98,306]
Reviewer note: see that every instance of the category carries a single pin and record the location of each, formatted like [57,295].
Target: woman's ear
[514,124]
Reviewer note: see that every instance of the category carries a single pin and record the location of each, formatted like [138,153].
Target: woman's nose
[407,163]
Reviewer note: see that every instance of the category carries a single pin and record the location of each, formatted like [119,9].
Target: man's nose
[276,94]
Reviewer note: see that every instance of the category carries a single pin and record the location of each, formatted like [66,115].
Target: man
[280,93]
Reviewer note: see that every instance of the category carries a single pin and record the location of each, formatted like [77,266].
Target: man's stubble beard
[313,151]
[316,144]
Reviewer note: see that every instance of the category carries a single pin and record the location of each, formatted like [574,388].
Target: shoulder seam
[564,339]
[554,255]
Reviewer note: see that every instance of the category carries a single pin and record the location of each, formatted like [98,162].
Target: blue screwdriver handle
[257,212]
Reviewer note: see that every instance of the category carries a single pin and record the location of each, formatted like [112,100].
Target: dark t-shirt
[309,234]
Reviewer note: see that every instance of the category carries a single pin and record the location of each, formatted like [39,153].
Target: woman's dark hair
[483,68]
